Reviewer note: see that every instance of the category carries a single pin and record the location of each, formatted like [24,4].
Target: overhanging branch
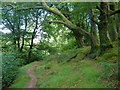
[56,21]
[64,23]
[19,9]
[115,12]
[36,7]
[55,11]
[10,5]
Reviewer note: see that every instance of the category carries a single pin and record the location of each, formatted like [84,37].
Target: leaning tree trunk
[93,42]
[70,25]
[103,27]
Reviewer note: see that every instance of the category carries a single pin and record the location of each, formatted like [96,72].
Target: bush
[9,68]
[71,45]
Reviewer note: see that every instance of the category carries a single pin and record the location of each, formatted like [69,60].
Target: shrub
[71,45]
[9,68]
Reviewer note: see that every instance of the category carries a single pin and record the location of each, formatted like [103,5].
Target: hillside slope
[56,72]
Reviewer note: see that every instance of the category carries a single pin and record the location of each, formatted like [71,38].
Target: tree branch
[55,21]
[115,12]
[97,7]
[64,23]
[8,5]
[36,7]
[55,11]
[19,9]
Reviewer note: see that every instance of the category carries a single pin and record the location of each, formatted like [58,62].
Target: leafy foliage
[9,68]
[54,34]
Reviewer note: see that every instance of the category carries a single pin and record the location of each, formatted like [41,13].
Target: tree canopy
[40,29]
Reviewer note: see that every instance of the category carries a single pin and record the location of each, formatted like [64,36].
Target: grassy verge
[22,78]
[79,73]
[21,81]
[72,75]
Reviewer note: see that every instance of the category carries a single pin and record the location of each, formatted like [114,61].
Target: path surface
[31,73]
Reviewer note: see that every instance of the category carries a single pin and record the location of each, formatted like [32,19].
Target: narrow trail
[33,79]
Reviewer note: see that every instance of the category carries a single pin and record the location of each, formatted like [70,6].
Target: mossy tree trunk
[93,25]
[105,41]
[79,38]
[70,25]
[112,23]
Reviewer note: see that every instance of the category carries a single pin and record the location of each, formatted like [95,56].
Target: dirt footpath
[31,73]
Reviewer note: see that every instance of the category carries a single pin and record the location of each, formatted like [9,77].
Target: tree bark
[14,42]
[103,27]
[33,36]
[79,38]
[18,40]
[66,22]
[70,25]
[31,46]
[23,36]
[112,24]
[93,25]
[21,49]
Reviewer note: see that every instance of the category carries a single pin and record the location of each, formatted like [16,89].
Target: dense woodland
[41,29]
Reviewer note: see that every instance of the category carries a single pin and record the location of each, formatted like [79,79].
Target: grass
[21,81]
[22,78]
[78,73]
[70,75]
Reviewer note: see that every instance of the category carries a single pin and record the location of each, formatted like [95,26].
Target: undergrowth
[80,72]
[22,78]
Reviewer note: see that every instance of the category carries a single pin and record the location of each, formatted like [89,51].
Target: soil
[33,79]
